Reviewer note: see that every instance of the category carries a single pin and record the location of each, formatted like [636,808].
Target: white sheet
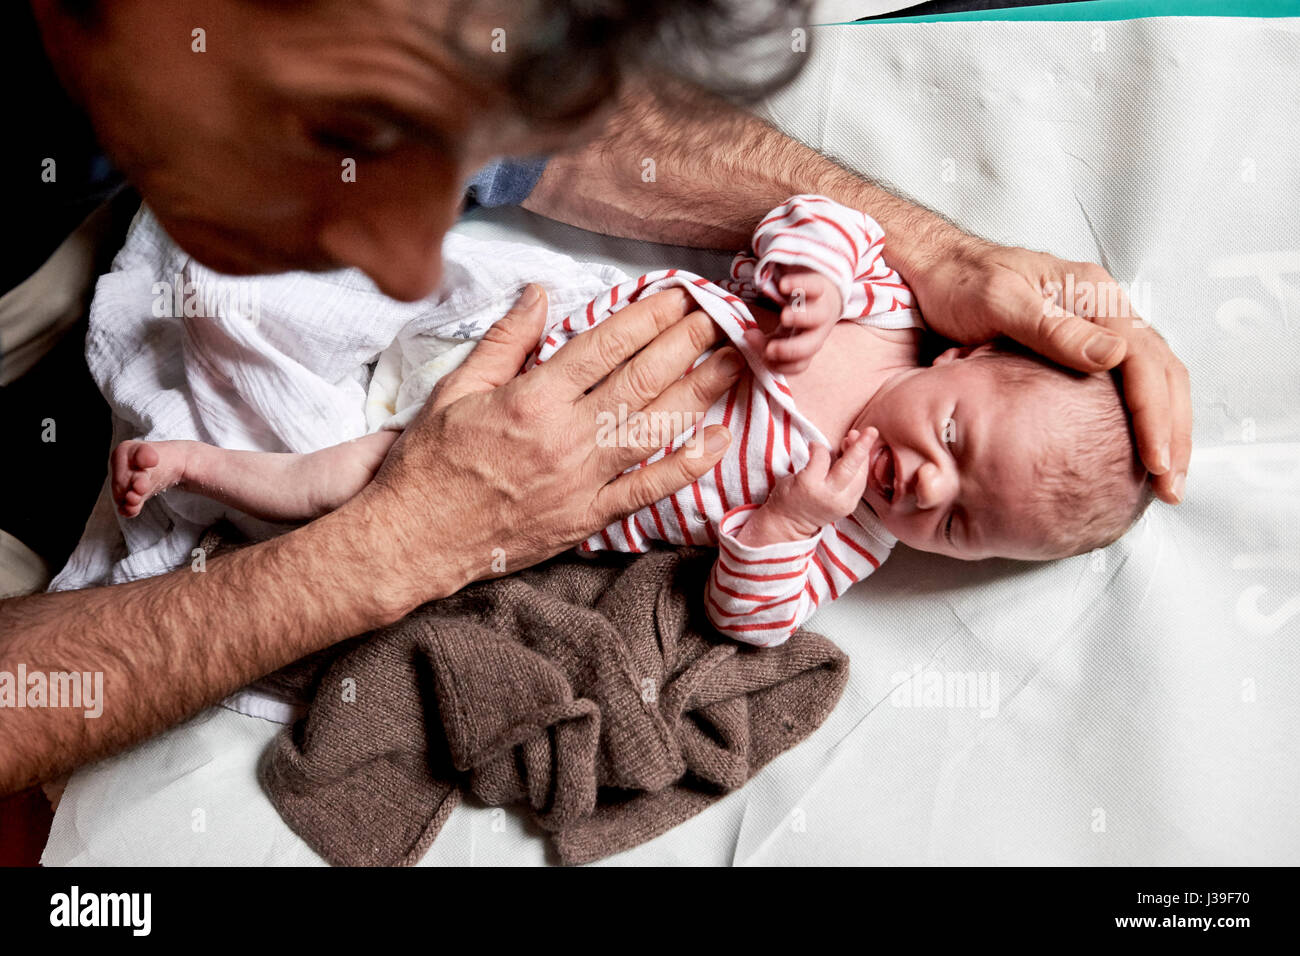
[1146,709]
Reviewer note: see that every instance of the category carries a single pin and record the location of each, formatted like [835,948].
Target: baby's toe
[144,456]
[119,468]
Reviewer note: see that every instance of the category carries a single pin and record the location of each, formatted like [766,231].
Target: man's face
[952,468]
[244,151]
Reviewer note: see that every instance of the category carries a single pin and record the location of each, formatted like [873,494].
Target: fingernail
[1162,459]
[1180,486]
[732,363]
[717,441]
[1100,348]
[530,296]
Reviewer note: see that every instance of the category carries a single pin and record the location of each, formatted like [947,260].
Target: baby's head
[995,452]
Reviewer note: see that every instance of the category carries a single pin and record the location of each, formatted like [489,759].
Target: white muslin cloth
[289,363]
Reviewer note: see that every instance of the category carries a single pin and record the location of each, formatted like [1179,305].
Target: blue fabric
[504,182]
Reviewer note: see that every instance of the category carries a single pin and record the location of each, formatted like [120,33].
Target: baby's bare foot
[141,469]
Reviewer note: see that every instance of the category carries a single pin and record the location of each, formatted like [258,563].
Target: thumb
[500,353]
[1064,337]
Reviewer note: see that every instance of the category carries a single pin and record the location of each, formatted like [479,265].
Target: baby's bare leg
[270,485]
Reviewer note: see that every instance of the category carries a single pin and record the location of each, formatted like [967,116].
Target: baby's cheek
[907,533]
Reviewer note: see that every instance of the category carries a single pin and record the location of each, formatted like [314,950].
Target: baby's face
[953,464]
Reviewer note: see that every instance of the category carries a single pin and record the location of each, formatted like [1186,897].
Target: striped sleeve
[740,280]
[758,595]
[845,245]
[762,595]
[878,295]
[811,232]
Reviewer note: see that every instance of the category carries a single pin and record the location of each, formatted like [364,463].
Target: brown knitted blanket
[593,692]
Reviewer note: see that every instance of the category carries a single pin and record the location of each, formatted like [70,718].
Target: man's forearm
[705,175]
[171,645]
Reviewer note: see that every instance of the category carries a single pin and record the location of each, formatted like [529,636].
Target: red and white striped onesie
[762,595]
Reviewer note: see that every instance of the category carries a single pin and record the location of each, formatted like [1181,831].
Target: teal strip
[1110,10]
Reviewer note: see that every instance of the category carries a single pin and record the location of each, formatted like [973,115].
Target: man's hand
[811,305]
[971,291]
[800,505]
[510,467]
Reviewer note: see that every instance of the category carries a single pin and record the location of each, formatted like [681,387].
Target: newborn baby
[843,443]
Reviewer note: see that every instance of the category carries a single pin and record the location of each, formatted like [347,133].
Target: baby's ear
[960,352]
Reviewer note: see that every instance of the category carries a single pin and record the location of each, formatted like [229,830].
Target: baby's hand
[812,306]
[821,494]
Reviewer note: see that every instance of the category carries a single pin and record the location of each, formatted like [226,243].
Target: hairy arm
[716,171]
[171,645]
[518,472]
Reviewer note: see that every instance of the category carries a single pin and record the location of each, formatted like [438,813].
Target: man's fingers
[680,408]
[644,486]
[1060,335]
[1170,486]
[587,359]
[1180,439]
[645,376]
[499,354]
[1146,392]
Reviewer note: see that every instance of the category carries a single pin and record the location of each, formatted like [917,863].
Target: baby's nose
[933,486]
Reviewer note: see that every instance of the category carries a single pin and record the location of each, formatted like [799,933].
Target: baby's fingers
[796,349]
[793,282]
[854,436]
[801,315]
[853,459]
[819,462]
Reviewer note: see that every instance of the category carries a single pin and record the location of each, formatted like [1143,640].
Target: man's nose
[934,486]
[404,262]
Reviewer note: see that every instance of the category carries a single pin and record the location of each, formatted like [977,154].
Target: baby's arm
[758,594]
[760,589]
[269,485]
[820,261]
[879,296]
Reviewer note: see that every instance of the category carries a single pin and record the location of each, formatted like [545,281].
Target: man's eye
[358,139]
[947,528]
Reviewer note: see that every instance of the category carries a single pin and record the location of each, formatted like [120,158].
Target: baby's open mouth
[881,476]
